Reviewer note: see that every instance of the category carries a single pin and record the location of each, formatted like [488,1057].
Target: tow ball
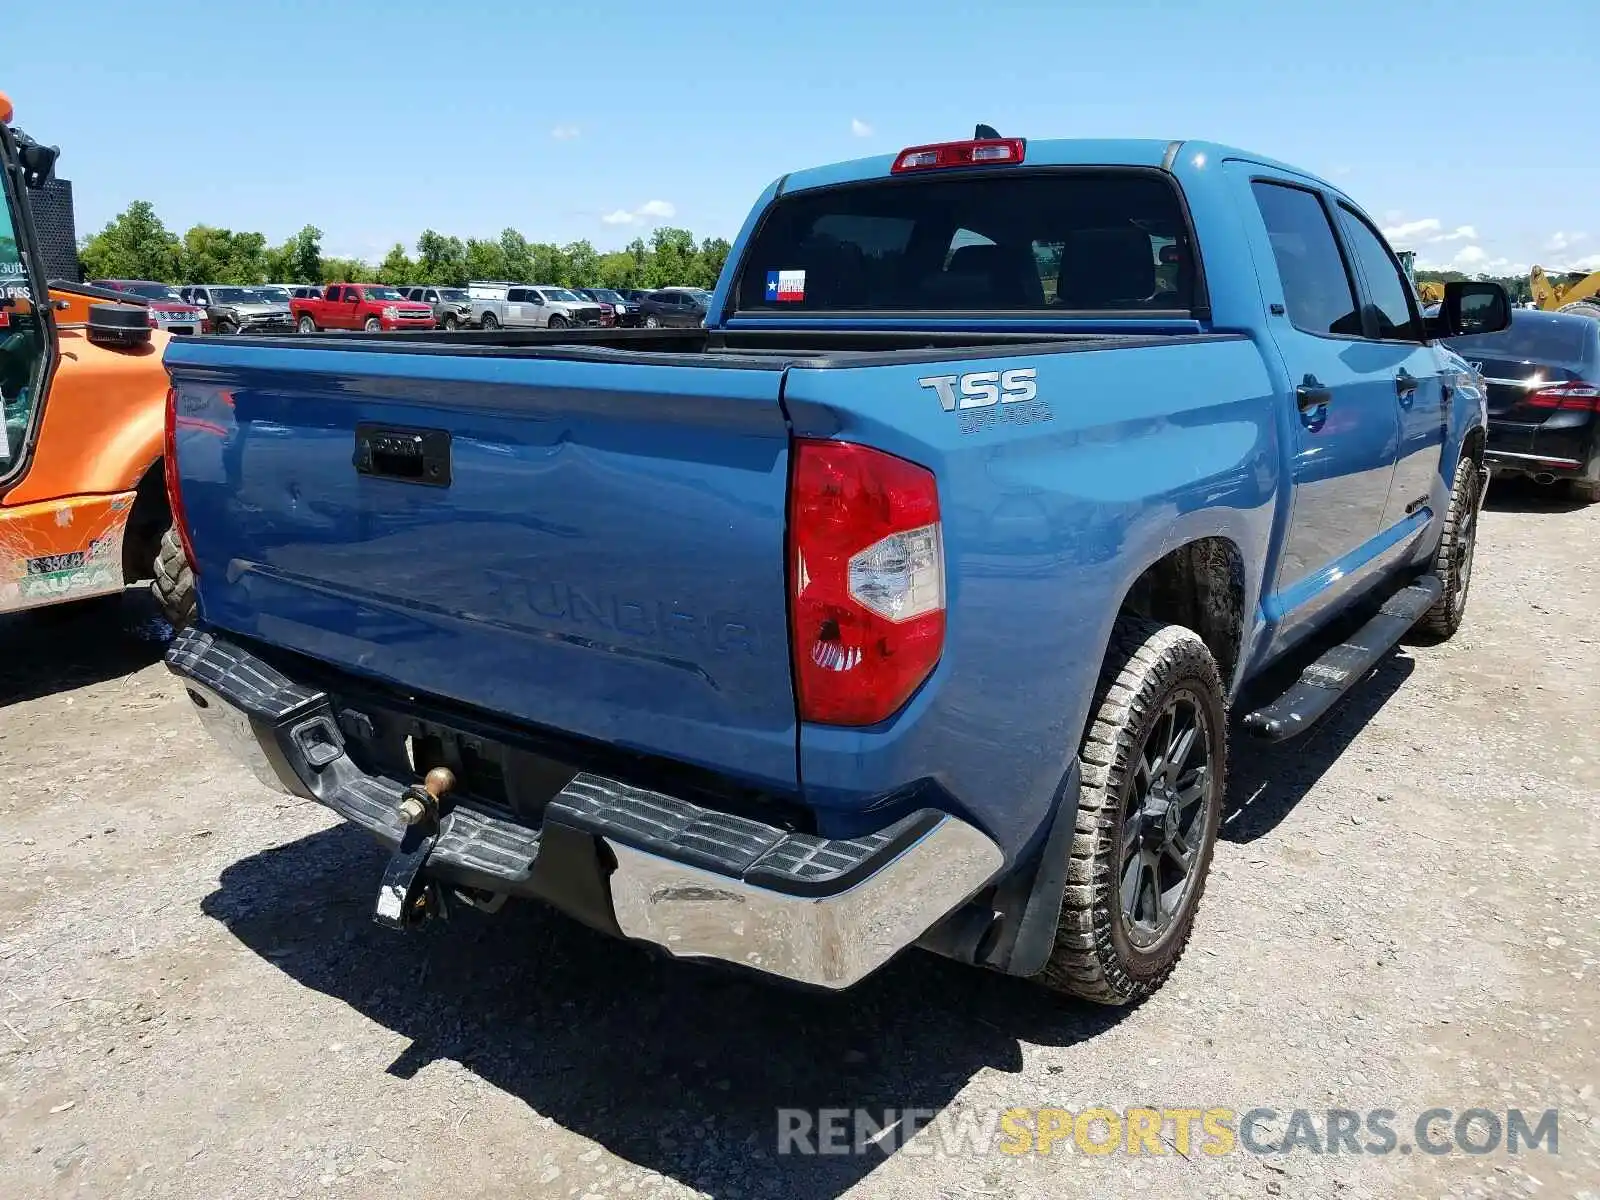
[405,898]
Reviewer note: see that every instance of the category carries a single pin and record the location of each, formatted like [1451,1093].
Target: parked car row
[487,304]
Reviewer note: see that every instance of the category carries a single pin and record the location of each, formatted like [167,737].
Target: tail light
[980,153]
[867,600]
[169,466]
[1568,397]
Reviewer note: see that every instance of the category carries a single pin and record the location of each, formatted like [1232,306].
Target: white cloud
[564,133]
[860,128]
[1589,262]
[660,210]
[1411,230]
[1564,241]
[1471,256]
[1461,233]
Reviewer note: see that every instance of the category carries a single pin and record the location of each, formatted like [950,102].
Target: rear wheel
[372,325]
[1452,561]
[490,321]
[173,585]
[306,325]
[1154,765]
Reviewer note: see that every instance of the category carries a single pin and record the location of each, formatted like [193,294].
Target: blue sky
[374,120]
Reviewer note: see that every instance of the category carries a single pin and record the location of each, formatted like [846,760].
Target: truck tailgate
[591,547]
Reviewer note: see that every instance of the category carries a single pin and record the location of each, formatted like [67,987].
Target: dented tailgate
[595,547]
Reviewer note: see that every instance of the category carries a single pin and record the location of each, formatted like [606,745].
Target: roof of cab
[1053,152]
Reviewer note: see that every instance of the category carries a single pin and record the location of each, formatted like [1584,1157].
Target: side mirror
[1471,307]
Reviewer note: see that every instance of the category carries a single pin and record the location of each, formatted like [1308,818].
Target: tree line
[136,245]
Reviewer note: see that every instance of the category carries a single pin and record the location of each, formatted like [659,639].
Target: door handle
[1312,394]
[1405,384]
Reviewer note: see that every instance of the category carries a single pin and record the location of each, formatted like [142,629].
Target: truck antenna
[985,133]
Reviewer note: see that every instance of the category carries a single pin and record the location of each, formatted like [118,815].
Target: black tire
[1153,672]
[372,325]
[306,324]
[557,321]
[451,321]
[226,327]
[490,321]
[652,322]
[1584,491]
[173,586]
[1452,561]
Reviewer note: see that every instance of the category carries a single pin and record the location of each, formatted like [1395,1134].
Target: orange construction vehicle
[83,504]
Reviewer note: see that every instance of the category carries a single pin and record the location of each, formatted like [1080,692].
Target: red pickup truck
[367,306]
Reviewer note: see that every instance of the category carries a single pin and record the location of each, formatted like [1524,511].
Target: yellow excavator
[1579,296]
[1428,293]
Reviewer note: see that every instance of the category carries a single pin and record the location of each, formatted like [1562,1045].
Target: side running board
[1333,674]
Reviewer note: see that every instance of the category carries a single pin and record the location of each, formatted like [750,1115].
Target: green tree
[713,254]
[345,270]
[672,258]
[583,264]
[397,266]
[517,255]
[305,255]
[441,259]
[133,245]
[617,270]
[485,260]
[546,264]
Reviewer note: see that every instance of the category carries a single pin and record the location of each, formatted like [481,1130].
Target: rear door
[330,312]
[1344,425]
[1406,372]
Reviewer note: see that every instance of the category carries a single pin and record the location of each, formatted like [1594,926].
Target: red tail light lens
[867,604]
[960,154]
[1579,397]
[169,467]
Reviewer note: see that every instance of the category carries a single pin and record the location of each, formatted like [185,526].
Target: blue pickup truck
[908,602]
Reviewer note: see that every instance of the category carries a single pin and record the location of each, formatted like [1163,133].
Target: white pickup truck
[510,305]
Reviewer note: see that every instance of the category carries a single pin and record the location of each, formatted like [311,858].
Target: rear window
[1535,337]
[1079,241]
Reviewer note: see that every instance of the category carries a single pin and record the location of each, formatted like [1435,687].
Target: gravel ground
[1401,915]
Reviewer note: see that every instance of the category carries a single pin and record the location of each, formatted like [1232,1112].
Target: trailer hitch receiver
[405,898]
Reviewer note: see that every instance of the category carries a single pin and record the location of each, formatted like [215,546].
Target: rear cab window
[1070,240]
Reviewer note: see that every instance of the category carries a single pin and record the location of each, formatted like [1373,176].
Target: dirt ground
[1402,915]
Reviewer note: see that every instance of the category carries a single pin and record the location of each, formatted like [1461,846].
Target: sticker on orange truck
[65,550]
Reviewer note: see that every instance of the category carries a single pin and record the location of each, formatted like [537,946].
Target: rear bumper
[627,860]
[1507,462]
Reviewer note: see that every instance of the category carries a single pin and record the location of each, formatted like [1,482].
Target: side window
[516,295]
[1390,311]
[535,296]
[333,293]
[432,296]
[24,347]
[1317,289]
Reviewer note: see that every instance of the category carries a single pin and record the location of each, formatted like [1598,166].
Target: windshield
[24,348]
[1072,241]
[455,294]
[1534,337]
[383,293]
[152,291]
[235,295]
[606,294]
[277,295]
[561,296]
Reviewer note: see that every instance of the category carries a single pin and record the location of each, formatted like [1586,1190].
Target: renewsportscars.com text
[1186,1131]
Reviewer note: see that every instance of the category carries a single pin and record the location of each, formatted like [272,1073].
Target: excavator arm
[1553,297]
